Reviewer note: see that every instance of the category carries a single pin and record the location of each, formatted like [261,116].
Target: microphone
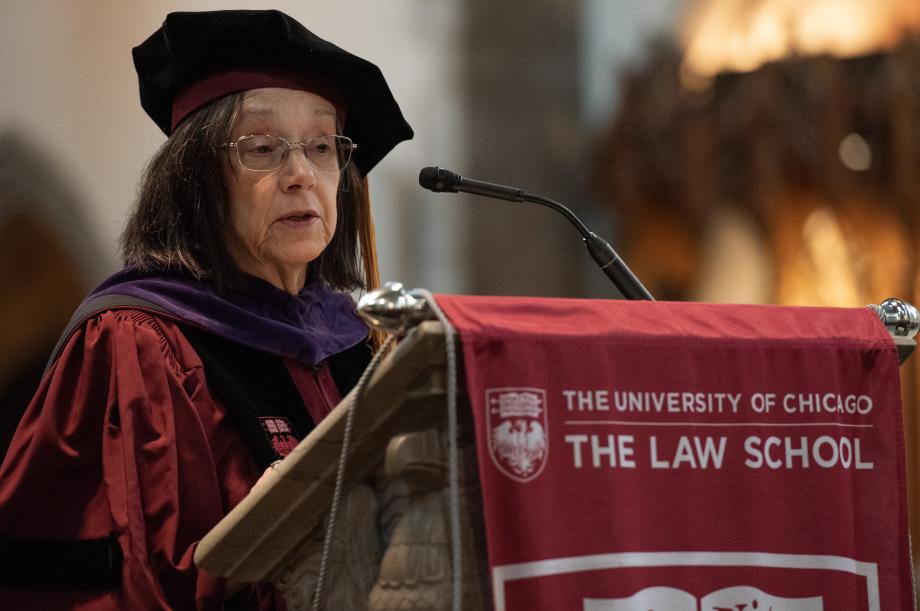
[441,181]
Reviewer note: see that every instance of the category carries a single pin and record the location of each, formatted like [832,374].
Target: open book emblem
[738,598]
[518,441]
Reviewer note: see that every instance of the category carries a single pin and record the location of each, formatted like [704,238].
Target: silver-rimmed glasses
[266,153]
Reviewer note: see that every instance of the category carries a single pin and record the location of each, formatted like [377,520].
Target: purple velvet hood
[309,327]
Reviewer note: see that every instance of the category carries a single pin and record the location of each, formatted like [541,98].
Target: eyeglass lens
[262,153]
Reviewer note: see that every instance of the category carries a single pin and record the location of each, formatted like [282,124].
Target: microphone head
[438,180]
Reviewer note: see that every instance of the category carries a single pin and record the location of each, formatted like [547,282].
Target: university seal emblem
[518,441]
[280,435]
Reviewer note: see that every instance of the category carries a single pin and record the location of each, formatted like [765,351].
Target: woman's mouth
[298,220]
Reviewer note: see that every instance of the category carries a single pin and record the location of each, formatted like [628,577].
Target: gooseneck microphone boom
[441,181]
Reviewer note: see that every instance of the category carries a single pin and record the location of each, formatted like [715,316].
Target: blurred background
[755,151]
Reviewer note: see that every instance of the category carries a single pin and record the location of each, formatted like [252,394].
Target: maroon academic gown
[124,437]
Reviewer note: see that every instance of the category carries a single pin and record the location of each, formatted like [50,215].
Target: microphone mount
[440,181]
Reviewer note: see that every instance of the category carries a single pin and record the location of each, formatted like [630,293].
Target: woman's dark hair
[181,220]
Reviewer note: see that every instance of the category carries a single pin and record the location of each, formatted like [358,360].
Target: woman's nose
[297,169]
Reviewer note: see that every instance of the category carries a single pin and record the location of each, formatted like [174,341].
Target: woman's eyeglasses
[265,153]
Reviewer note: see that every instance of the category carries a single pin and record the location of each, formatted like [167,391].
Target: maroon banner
[640,456]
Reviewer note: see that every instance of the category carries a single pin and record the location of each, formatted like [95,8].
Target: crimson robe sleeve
[124,438]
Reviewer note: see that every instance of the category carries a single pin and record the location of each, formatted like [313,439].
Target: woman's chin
[298,255]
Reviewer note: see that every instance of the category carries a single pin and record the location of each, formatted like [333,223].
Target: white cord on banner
[340,473]
[453,467]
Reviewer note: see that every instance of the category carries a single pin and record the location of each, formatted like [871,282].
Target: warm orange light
[741,35]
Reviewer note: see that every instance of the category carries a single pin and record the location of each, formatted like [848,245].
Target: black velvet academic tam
[193,46]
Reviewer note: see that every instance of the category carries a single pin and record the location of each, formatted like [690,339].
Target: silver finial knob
[392,308]
[899,317]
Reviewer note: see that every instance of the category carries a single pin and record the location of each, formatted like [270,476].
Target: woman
[226,337]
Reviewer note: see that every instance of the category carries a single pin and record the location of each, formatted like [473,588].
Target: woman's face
[283,219]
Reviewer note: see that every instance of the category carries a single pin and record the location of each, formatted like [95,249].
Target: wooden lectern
[391,540]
